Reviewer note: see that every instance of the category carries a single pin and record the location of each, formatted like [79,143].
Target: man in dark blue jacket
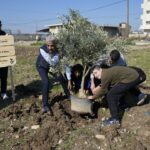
[48,57]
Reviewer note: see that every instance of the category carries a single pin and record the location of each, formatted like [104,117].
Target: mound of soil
[23,126]
[51,129]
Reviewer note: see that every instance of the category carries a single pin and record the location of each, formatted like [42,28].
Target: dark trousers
[3,77]
[61,79]
[117,92]
[45,84]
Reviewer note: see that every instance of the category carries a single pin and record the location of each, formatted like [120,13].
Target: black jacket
[2,32]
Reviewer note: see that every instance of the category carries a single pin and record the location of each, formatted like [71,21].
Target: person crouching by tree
[116,59]
[74,77]
[48,57]
[121,79]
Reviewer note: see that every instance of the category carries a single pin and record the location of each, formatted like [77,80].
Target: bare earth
[24,127]
[67,130]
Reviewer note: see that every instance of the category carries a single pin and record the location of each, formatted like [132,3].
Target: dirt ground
[24,127]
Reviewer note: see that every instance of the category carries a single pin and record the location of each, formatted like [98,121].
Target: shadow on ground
[32,90]
[21,92]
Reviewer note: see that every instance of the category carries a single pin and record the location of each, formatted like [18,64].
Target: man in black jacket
[3,73]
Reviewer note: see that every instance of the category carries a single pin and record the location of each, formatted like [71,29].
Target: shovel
[83,106]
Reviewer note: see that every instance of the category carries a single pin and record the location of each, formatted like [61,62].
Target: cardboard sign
[6,40]
[7,51]
[7,61]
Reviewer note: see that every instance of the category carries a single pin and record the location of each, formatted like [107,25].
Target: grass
[25,72]
[140,58]
[38,43]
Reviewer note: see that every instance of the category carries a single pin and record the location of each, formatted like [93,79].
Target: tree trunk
[82,93]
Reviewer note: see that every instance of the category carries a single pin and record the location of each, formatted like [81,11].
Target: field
[139,56]
[24,127]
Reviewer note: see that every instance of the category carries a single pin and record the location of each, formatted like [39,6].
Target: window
[148,11]
[147,22]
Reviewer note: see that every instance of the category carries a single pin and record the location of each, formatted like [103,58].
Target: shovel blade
[81,105]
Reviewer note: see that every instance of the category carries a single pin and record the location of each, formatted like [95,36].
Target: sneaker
[111,121]
[45,109]
[4,96]
[141,98]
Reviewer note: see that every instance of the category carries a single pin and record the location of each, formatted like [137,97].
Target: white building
[145,17]
[53,28]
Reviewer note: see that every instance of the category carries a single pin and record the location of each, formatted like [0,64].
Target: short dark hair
[78,68]
[114,55]
[102,65]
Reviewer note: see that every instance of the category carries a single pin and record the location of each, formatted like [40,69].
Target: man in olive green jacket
[120,79]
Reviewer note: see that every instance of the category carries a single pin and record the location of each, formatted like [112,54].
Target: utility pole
[128,26]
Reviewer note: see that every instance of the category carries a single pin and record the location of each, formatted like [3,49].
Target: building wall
[139,35]
[54,29]
[112,31]
[145,17]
